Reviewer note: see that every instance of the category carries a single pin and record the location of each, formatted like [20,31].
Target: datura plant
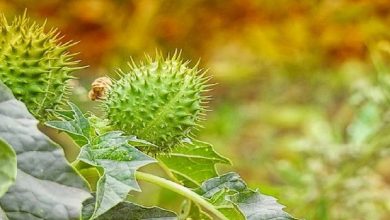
[150,113]
[34,64]
[160,101]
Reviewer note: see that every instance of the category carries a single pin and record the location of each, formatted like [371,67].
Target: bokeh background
[301,104]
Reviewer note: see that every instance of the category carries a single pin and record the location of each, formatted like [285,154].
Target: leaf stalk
[179,189]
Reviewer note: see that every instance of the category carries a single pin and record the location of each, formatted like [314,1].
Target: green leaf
[256,206]
[225,206]
[139,143]
[231,196]
[128,211]
[76,124]
[107,150]
[46,187]
[7,166]
[191,210]
[229,181]
[83,129]
[3,216]
[119,160]
[193,162]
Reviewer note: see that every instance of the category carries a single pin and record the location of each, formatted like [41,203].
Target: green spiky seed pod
[34,64]
[159,101]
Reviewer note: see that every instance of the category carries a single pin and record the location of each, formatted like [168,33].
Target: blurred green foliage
[302,101]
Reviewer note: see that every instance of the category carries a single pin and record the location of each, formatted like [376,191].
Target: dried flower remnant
[99,88]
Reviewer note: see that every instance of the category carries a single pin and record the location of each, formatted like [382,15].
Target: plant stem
[179,189]
[167,170]
[77,164]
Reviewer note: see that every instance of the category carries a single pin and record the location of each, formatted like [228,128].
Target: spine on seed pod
[160,100]
[35,65]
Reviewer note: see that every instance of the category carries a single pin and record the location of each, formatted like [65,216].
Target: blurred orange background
[288,72]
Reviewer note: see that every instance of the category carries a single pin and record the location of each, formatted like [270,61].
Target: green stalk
[167,170]
[179,189]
